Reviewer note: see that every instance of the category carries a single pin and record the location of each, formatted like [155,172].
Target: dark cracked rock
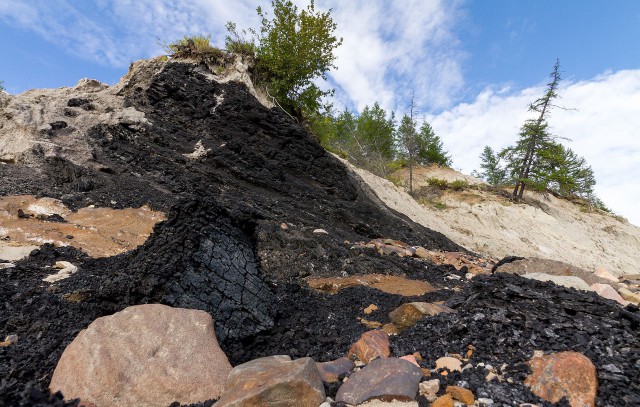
[200,258]
[221,248]
[507,318]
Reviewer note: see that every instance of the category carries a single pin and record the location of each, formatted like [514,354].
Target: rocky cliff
[251,211]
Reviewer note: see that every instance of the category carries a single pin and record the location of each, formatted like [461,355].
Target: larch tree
[526,158]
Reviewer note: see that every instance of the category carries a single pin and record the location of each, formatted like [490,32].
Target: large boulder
[145,355]
[565,374]
[274,381]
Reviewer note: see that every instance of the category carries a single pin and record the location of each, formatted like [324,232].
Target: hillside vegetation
[485,221]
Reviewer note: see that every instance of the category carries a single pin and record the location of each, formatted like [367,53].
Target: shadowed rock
[274,381]
[387,379]
[330,372]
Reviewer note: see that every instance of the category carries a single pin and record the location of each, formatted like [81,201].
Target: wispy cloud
[389,48]
[393,47]
[116,32]
[602,125]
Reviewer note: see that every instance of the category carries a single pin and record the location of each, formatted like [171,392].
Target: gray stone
[387,378]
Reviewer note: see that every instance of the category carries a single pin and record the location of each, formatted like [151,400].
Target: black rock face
[221,248]
[507,317]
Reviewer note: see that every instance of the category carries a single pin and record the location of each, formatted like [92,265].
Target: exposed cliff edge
[248,208]
[543,226]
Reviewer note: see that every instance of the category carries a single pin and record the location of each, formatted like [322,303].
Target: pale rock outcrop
[484,222]
[565,281]
[145,355]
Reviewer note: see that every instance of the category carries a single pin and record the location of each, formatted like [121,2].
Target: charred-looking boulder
[201,259]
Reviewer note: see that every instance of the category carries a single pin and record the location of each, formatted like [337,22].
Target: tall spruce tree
[407,137]
[526,158]
[492,171]
[430,148]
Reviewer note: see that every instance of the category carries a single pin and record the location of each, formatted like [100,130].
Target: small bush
[459,185]
[438,183]
[396,165]
[439,205]
[237,43]
[1,86]
[194,47]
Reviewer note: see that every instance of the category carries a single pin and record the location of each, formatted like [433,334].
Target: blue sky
[474,64]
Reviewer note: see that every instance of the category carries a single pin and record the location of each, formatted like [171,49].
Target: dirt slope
[487,223]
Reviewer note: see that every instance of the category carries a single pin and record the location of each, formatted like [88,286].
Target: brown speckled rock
[145,355]
[408,314]
[565,374]
[463,395]
[371,345]
[274,381]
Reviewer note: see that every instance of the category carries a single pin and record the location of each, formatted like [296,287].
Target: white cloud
[391,47]
[604,128]
[116,32]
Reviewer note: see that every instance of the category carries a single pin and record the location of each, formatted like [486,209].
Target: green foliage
[194,47]
[429,147]
[568,174]
[366,139]
[492,171]
[438,183]
[423,147]
[526,160]
[439,205]
[2,86]
[294,49]
[236,41]
[459,185]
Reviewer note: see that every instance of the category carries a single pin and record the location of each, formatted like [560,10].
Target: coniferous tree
[526,160]
[430,148]
[407,137]
[569,174]
[492,171]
